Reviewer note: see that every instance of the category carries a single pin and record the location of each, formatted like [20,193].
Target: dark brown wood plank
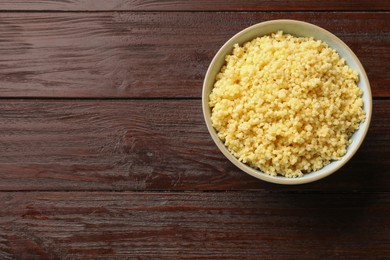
[148,145]
[127,54]
[198,5]
[67,225]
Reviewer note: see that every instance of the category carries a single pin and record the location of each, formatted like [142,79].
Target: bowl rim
[310,177]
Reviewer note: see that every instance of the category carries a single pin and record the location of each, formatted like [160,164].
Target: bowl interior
[300,29]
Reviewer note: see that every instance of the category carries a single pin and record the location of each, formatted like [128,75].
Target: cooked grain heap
[286,105]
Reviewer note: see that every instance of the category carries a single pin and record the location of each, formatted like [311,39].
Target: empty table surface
[105,154]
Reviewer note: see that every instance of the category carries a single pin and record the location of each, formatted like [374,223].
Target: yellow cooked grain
[286,105]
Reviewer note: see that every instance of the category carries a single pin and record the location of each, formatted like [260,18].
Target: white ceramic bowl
[296,28]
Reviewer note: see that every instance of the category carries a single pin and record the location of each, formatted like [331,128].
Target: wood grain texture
[197,5]
[148,145]
[152,54]
[229,225]
[65,164]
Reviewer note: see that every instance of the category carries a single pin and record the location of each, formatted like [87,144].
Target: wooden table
[105,154]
